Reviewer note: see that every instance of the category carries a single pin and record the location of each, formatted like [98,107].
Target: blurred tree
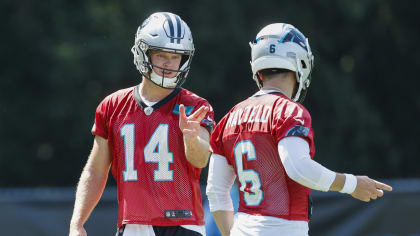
[60,59]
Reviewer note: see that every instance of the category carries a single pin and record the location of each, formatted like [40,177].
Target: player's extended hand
[368,189]
[190,125]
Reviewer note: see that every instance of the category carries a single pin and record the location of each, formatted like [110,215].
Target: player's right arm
[91,185]
[224,221]
[294,154]
[219,182]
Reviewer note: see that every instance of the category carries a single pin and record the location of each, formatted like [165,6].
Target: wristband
[350,184]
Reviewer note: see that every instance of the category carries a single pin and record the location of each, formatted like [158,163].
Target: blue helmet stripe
[294,37]
[282,39]
[171,26]
[178,26]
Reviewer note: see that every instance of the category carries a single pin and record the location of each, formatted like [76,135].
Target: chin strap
[299,80]
[258,79]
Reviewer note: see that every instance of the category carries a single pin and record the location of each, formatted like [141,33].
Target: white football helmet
[167,32]
[282,46]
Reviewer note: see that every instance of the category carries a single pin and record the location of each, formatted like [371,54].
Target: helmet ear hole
[303,64]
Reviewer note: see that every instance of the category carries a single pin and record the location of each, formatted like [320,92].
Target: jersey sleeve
[208,121]
[293,120]
[220,179]
[100,125]
[216,142]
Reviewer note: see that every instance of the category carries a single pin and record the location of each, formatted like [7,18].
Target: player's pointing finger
[383,186]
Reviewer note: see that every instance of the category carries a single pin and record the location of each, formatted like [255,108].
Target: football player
[267,143]
[155,139]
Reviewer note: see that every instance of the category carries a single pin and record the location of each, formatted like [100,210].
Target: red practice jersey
[156,184]
[248,136]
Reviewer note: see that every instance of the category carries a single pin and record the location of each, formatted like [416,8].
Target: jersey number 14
[156,150]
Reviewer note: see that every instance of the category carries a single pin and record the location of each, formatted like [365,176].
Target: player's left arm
[196,137]
[294,154]
[295,136]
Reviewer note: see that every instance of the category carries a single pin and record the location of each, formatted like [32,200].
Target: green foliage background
[59,59]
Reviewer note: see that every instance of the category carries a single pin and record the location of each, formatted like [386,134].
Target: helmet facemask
[145,66]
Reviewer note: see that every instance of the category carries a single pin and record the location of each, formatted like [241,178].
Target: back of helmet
[282,46]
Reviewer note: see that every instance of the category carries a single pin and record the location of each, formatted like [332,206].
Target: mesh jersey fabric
[247,136]
[147,198]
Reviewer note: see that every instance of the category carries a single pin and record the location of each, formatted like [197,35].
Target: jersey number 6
[255,195]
